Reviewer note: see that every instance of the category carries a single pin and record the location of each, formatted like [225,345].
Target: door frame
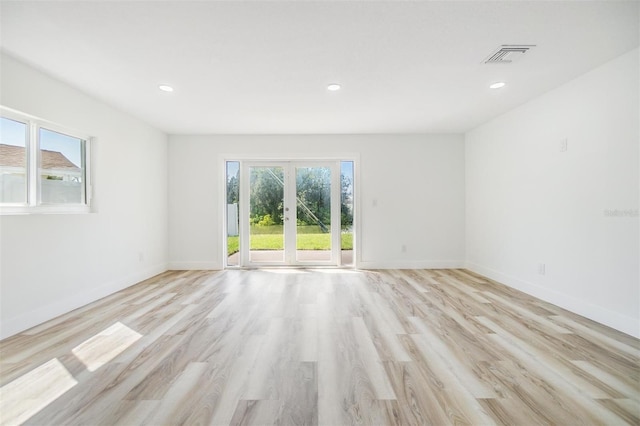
[298,158]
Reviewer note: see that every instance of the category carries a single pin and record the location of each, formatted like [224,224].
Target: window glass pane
[313,208]
[233,213]
[266,214]
[346,211]
[61,168]
[13,161]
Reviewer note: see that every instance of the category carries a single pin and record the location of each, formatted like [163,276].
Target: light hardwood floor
[326,347]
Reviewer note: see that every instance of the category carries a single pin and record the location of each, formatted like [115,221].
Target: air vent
[507,53]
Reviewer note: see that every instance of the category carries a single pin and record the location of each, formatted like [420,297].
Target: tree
[346,201]
[267,193]
[313,191]
[233,189]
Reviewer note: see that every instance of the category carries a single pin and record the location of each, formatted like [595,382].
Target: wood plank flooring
[329,347]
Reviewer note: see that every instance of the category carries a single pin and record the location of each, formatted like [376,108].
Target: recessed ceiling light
[497,85]
[333,87]
[165,88]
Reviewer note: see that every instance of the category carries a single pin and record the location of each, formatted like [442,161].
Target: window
[13,161]
[43,167]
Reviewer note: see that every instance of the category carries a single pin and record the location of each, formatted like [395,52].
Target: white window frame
[34,204]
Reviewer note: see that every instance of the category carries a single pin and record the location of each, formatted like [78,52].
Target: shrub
[266,221]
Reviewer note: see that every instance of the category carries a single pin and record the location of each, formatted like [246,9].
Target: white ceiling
[263,67]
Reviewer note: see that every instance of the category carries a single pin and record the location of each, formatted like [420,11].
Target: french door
[290,213]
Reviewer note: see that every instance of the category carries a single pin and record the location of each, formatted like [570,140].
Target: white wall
[417,181]
[51,264]
[528,203]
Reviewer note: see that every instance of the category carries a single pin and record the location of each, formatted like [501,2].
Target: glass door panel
[266,220]
[290,213]
[313,214]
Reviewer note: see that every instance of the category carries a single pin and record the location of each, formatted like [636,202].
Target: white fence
[232,219]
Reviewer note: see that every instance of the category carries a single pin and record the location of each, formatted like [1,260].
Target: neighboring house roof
[14,156]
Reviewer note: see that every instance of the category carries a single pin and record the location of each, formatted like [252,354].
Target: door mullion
[290,214]
[293,214]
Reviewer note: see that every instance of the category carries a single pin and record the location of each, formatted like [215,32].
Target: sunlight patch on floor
[31,392]
[306,270]
[284,270]
[105,346]
[335,271]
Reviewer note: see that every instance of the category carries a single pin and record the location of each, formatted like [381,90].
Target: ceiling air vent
[507,53]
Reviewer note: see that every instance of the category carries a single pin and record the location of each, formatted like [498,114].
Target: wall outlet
[542,268]
[403,249]
[563,145]
[140,256]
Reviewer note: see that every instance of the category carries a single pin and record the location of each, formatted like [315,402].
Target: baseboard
[411,264]
[399,264]
[195,266]
[37,316]
[623,323]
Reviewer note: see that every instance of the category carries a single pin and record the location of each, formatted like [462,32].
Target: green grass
[267,242]
[346,241]
[271,238]
[233,245]
[278,229]
[267,230]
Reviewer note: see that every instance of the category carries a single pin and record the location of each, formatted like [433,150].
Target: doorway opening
[289,213]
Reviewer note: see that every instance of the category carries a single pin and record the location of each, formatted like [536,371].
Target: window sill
[44,209]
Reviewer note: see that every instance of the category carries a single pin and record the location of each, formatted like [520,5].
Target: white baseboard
[195,266]
[64,305]
[623,323]
[399,264]
[411,264]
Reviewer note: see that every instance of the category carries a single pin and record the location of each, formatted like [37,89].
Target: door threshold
[284,267]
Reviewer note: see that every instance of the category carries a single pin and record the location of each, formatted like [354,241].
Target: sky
[14,133]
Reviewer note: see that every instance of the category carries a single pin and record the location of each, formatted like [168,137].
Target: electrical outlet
[140,256]
[542,268]
[563,145]
[403,249]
